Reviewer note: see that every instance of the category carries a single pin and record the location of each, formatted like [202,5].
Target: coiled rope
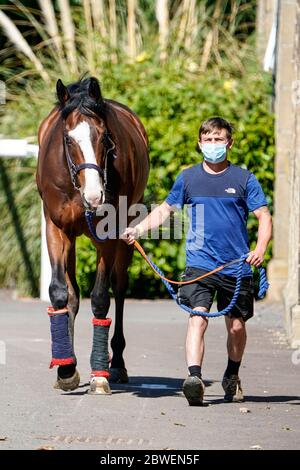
[263,283]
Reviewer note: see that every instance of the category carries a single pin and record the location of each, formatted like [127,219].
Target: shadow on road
[152,387]
[155,387]
[145,386]
[291,400]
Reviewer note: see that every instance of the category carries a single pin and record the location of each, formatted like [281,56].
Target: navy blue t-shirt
[218,207]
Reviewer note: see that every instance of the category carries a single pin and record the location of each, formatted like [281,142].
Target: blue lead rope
[89,220]
[263,283]
[263,287]
[206,314]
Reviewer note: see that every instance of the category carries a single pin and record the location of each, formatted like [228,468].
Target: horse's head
[82,109]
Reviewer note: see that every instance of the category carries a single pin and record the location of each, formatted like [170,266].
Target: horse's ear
[94,89]
[62,92]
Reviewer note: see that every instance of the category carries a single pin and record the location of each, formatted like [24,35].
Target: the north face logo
[230,190]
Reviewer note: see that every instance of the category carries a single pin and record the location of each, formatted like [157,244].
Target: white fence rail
[20,148]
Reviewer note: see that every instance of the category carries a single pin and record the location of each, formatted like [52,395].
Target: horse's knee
[58,294]
[100,304]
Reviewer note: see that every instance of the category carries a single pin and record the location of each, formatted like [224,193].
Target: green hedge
[172,102]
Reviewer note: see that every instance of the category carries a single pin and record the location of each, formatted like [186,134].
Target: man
[226,193]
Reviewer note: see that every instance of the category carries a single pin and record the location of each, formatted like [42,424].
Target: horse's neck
[47,125]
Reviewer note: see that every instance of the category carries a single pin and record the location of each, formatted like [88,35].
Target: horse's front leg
[100,301]
[118,372]
[64,296]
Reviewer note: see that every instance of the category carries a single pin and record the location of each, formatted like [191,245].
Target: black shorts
[203,292]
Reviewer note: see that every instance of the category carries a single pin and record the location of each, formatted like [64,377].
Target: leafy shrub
[20,226]
[172,102]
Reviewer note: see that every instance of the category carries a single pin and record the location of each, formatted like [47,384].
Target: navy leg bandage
[62,352]
[100,357]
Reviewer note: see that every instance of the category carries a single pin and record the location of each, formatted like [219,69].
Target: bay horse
[91,151]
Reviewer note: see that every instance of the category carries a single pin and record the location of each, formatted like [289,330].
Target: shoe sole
[234,399]
[194,392]
[238,397]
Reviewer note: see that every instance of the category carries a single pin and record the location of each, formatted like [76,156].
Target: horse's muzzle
[93,202]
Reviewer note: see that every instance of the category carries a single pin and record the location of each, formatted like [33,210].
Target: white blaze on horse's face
[93,190]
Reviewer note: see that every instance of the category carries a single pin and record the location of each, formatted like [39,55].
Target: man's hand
[153,220]
[131,234]
[255,257]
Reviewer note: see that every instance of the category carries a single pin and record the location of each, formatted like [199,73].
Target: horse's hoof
[99,386]
[118,375]
[68,384]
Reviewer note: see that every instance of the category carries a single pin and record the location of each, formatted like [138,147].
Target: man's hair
[214,123]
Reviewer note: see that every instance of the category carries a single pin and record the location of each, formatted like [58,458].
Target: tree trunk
[98,17]
[52,29]
[90,36]
[113,30]
[183,22]
[191,26]
[131,22]
[51,24]
[69,33]
[162,15]
[211,37]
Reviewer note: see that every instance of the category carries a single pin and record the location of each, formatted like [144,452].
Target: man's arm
[256,257]
[152,221]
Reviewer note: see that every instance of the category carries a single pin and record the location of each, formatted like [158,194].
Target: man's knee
[199,321]
[237,328]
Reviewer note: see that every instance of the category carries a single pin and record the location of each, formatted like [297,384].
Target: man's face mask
[213,153]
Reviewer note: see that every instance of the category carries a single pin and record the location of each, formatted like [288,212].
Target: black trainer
[193,389]
[232,388]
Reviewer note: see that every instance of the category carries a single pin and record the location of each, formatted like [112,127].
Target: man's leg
[236,329]
[236,342]
[194,345]
[193,387]
[236,339]
[198,296]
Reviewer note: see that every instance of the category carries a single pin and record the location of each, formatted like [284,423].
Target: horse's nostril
[93,201]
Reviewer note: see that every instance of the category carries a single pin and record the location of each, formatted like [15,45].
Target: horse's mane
[81,100]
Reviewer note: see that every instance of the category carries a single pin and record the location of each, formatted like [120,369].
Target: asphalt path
[150,412]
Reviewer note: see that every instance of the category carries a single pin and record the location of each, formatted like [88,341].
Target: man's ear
[231,142]
[62,92]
